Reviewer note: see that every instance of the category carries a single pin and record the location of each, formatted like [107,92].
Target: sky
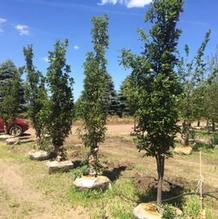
[42,22]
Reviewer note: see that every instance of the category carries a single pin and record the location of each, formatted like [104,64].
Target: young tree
[210,95]
[10,87]
[60,105]
[35,94]
[93,106]
[192,76]
[157,84]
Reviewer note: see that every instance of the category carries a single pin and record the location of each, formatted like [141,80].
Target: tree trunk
[207,124]
[93,162]
[160,160]
[38,138]
[59,153]
[185,133]
[213,126]
[6,126]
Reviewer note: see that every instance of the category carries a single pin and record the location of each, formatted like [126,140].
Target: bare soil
[20,197]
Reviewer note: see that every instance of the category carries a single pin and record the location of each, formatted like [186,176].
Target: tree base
[62,166]
[39,155]
[183,150]
[12,141]
[4,137]
[151,211]
[146,211]
[91,182]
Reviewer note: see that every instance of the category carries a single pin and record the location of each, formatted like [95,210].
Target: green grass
[191,208]
[116,203]
[15,152]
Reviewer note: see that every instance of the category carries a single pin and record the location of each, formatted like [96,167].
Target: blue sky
[41,22]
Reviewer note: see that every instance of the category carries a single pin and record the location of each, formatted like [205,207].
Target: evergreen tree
[111,97]
[10,90]
[60,105]
[93,107]
[35,94]
[128,97]
[157,84]
[8,72]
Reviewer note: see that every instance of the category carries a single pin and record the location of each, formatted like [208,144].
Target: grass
[117,203]
[114,203]
[191,208]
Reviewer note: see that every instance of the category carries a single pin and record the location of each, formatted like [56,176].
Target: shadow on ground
[172,188]
[115,173]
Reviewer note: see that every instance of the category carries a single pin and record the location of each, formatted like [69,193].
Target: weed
[191,207]
[120,212]
[169,212]
[83,170]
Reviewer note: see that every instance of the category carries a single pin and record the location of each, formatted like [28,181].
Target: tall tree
[93,106]
[60,105]
[35,94]
[10,88]
[192,75]
[157,83]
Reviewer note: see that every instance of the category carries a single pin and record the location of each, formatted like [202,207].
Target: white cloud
[103,2]
[22,29]
[138,3]
[3,21]
[76,47]
[45,59]
[127,3]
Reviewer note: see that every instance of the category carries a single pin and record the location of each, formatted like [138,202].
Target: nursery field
[28,191]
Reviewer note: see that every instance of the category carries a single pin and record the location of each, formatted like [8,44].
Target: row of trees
[161,88]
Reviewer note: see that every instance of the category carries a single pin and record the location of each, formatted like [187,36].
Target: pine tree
[128,97]
[93,106]
[111,97]
[157,84]
[60,104]
[10,92]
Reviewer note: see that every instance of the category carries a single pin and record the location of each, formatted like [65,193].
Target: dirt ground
[21,198]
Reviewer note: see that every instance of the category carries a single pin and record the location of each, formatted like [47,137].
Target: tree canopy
[93,106]
[157,83]
[60,106]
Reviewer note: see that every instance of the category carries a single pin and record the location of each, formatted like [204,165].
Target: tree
[60,103]
[209,89]
[157,84]
[128,97]
[211,101]
[93,105]
[10,88]
[35,94]
[111,97]
[192,77]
